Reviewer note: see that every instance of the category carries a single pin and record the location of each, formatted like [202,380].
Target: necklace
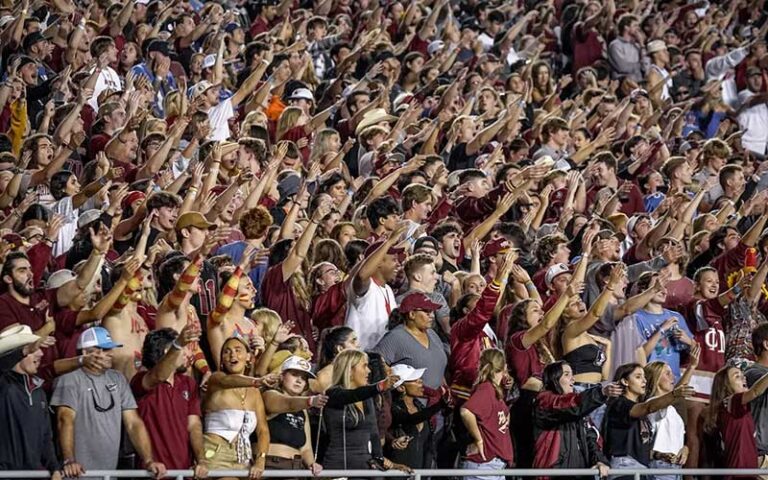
[243,393]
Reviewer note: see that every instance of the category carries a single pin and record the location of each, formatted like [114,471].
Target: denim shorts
[494,464]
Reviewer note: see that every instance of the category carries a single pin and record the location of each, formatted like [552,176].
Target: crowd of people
[348,234]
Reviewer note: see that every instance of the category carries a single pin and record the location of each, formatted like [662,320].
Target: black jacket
[565,438]
[27,439]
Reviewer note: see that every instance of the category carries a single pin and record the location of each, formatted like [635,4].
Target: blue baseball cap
[96,337]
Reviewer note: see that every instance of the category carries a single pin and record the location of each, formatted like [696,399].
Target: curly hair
[254,222]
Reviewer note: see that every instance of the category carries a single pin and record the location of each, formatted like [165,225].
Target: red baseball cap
[494,247]
[418,301]
[133,197]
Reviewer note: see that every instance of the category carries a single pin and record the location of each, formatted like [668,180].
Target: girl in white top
[669,450]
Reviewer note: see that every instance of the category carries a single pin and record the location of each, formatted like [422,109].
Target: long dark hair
[332,339]
[623,373]
[518,317]
[551,376]
[461,309]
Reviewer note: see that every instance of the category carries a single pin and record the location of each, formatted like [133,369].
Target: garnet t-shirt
[278,295]
[165,410]
[493,422]
[624,435]
[523,362]
[737,428]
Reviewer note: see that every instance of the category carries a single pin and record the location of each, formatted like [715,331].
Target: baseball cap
[209,61]
[494,247]
[435,46]
[133,197]
[14,239]
[406,373]
[302,94]
[194,219]
[297,363]
[160,46]
[60,278]
[554,271]
[96,337]
[31,39]
[418,301]
[688,145]
[288,186]
[232,26]
[88,217]
[426,241]
[754,71]
[200,88]
[633,221]
[655,46]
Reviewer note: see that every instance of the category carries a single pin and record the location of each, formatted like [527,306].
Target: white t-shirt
[669,430]
[108,78]
[218,117]
[754,121]
[368,314]
[67,233]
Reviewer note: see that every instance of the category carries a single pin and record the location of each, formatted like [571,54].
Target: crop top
[586,359]
[288,429]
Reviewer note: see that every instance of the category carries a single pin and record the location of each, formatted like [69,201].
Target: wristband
[175,345]
[737,289]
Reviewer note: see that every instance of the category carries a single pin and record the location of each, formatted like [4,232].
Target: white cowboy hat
[16,336]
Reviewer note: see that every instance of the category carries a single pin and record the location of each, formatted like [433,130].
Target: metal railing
[415,475]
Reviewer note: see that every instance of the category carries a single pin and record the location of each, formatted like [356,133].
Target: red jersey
[737,428]
[703,318]
[493,422]
[728,262]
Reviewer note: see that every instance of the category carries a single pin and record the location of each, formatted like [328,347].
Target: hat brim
[415,375]
[12,342]
[310,374]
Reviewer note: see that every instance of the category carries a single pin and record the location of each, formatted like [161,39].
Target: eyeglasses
[96,404]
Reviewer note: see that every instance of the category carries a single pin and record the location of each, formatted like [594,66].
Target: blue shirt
[235,251]
[166,87]
[668,348]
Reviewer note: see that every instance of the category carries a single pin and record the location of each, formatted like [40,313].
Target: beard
[22,288]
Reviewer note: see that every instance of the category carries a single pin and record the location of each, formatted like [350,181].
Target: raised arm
[300,248]
[101,242]
[170,361]
[758,388]
[362,278]
[487,134]
[577,327]
[250,83]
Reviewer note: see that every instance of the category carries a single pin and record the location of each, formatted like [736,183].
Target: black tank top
[586,359]
[288,429]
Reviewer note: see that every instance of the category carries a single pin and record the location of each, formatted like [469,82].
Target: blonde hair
[270,321]
[343,364]
[172,104]
[653,372]
[492,361]
[320,144]
[288,119]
